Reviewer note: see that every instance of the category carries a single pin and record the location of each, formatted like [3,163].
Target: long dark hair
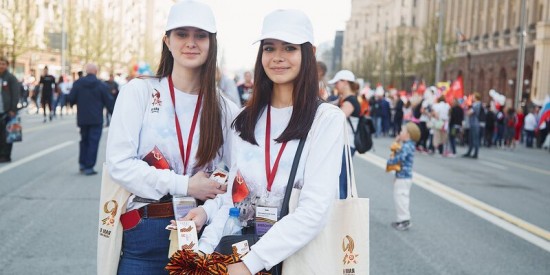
[304,99]
[211,123]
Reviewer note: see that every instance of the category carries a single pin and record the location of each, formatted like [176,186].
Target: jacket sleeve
[123,142]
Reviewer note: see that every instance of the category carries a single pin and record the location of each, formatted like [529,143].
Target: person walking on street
[530,126]
[8,106]
[167,132]
[455,125]
[473,121]
[47,81]
[90,95]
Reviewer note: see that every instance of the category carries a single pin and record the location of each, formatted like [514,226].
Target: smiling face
[189,47]
[281,61]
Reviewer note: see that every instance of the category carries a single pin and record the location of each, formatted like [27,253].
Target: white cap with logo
[191,13]
[292,26]
[343,75]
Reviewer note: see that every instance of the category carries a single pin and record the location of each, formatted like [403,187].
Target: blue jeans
[473,142]
[89,143]
[530,135]
[378,121]
[145,248]
[344,176]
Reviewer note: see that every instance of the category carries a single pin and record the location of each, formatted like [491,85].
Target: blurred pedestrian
[530,126]
[47,82]
[176,121]
[440,128]
[245,88]
[8,106]
[489,126]
[347,87]
[398,114]
[519,125]
[473,121]
[510,129]
[63,102]
[499,127]
[324,89]
[113,89]
[455,125]
[404,159]
[227,87]
[56,98]
[90,95]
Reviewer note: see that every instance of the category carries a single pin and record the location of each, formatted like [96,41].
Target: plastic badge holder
[182,206]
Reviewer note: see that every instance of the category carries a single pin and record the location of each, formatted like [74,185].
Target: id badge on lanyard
[267,208]
[267,213]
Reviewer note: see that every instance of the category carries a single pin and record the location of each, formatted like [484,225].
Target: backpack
[482,116]
[363,134]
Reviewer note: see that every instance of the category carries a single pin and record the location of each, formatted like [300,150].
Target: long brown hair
[211,138]
[304,99]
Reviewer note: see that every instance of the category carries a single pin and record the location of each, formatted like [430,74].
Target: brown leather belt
[157,210]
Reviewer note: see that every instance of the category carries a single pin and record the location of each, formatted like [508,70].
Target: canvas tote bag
[342,247]
[112,203]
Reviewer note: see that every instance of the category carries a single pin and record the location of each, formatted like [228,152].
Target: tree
[18,39]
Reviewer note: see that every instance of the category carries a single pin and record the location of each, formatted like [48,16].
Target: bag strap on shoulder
[290,184]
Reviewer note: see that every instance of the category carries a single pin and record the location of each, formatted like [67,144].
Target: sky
[239,25]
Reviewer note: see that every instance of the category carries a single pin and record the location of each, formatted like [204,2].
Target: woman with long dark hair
[167,132]
[283,109]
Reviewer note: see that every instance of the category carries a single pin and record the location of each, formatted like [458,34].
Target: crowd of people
[445,124]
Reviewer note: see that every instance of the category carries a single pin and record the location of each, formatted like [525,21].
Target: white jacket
[317,176]
[143,118]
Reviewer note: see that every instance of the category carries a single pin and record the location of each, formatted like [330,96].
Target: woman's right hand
[202,188]
[198,215]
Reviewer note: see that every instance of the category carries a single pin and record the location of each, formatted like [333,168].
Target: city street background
[49,212]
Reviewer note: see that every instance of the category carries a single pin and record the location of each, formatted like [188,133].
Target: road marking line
[494,165]
[526,167]
[48,125]
[35,156]
[508,222]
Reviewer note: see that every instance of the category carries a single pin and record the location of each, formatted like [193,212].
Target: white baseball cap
[191,13]
[292,26]
[343,75]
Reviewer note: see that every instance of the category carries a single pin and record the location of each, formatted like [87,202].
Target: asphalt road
[485,216]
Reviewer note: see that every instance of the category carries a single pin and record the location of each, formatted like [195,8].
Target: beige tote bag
[112,203]
[342,247]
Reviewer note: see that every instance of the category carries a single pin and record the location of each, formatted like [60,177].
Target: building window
[414,3]
[413,23]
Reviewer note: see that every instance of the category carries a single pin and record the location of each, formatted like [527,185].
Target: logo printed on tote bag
[348,245]
[110,219]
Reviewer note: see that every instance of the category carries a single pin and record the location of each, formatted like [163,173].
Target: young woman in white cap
[176,122]
[344,83]
[282,110]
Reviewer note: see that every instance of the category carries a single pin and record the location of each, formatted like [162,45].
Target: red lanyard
[184,154]
[270,174]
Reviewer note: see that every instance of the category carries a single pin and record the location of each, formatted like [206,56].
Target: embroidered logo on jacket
[156,102]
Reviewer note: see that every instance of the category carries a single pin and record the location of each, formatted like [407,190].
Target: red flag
[421,88]
[457,88]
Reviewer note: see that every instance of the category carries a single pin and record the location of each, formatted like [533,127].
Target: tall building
[481,41]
